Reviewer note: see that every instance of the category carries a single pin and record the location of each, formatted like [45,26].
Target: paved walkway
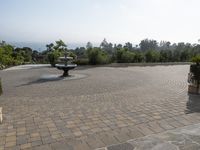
[186,138]
[108,106]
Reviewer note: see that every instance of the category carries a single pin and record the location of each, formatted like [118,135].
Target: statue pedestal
[65,66]
[192,89]
[1,115]
[193,80]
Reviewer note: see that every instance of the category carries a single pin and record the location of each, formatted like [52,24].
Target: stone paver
[108,106]
[185,138]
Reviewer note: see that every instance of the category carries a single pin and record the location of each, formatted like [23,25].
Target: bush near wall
[82,61]
[96,56]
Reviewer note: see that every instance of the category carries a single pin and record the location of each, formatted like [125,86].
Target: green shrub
[53,57]
[71,54]
[125,56]
[97,56]
[195,68]
[83,61]
[196,59]
[152,56]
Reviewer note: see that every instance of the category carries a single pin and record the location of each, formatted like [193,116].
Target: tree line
[11,56]
[147,50]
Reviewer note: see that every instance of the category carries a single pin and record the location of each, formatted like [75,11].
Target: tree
[50,47]
[123,55]
[129,46]
[60,46]
[107,47]
[55,51]
[146,45]
[53,57]
[35,56]
[89,45]
[97,56]
[152,56]
[139,57]
[6,55]
[164,45]
[80,52]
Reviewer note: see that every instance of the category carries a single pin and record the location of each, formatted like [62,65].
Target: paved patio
[186,138]
[108,106]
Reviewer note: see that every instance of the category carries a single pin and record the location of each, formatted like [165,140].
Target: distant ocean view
[42,46]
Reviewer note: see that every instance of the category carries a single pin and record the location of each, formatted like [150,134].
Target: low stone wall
[147,64]
[133,64]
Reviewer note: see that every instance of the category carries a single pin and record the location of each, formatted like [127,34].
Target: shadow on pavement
[42,80]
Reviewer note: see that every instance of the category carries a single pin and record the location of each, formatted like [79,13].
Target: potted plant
[194,76]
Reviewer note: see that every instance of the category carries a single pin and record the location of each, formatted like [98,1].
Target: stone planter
[1,91]
[194,79]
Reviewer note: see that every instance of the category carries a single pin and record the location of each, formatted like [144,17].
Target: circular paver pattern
[105,105]
[57,77]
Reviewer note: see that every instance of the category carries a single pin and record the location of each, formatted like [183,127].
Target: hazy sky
[92,20]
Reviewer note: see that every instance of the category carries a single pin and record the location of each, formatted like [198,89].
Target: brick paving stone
[35,135]
[134,132]
[182,120]
[11,138]
[25,146]
[10,144]
[22,140]
[191,147]
[123,146]
[154,126]
[13,148]
[81,146]
[61,146]
[107,139]
[165,125]
[145,129]
[43,147]
[48,140]
[104,148]
[94,142]
[191,119]
[121,136]
[36,143]
[32,139]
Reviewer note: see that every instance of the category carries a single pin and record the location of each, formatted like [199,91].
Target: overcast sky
[92,20]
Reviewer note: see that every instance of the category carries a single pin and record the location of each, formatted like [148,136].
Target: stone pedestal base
[1,91]
[1,115]
[192,89]
[65,73]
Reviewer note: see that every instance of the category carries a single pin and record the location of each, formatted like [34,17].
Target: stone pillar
[1,115]
[194,79]
[1,91]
